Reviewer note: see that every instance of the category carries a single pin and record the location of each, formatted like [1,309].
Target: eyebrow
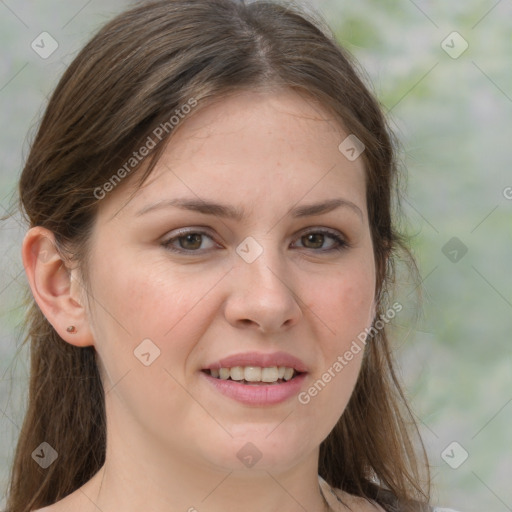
[231,212]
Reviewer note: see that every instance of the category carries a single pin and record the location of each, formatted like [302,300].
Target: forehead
[253,150]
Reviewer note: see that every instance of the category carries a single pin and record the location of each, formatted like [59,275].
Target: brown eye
[188,242]
[191,241]
[315,240]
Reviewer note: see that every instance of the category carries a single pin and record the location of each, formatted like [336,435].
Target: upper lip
[259,359]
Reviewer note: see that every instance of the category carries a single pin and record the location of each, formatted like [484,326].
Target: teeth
[270,374]
[254,373]
[237,373]
[224,373]
[288,374]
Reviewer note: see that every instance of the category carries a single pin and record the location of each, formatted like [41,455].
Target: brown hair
[128,80]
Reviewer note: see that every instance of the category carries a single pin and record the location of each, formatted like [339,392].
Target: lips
[258,385]
[256,394]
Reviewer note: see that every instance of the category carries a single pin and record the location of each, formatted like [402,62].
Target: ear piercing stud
[71,329]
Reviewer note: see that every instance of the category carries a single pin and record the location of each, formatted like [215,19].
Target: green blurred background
[451,108]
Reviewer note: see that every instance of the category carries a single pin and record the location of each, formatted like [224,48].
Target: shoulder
[356,502]
[337,497]
[56,507]
[66,504]
[77,500]
[339,500]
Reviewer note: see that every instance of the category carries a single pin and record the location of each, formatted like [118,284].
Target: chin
[259,452]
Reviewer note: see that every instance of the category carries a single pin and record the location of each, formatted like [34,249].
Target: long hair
[133,75]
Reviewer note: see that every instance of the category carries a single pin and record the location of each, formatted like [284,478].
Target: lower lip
[263,394]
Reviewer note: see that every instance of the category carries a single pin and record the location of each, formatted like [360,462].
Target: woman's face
[178,291]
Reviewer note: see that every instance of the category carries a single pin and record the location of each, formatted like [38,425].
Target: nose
[262,297]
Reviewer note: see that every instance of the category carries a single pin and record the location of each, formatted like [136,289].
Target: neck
[138,477]
[109,491]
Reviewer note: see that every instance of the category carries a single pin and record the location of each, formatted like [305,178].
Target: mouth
[254,375]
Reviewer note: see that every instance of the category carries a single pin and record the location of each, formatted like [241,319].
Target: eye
[316,239]
[187,241]
[192,240]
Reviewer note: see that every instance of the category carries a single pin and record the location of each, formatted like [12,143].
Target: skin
[173,439]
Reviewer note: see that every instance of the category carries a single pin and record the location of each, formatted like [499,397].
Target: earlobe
[50,281]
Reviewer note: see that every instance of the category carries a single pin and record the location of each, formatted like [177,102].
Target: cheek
[138,300]
[344,301]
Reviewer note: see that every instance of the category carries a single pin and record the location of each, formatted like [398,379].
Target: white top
[332,499]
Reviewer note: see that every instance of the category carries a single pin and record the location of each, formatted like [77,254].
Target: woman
[210,253]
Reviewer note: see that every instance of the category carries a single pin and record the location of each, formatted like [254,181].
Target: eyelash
[340,246]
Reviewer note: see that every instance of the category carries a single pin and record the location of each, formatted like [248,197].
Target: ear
[55,287]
